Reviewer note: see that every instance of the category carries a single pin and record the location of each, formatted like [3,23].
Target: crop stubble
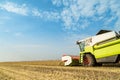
[50,70]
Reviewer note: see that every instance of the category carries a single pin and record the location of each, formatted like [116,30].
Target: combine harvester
[104,47]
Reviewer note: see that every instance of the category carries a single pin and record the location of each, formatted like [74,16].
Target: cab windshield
[82,46]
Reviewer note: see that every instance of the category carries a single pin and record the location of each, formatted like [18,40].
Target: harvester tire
[89,60]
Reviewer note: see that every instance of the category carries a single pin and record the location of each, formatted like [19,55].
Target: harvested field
[53,70]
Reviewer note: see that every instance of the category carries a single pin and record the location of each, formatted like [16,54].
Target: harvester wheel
[118,59]
[89,60]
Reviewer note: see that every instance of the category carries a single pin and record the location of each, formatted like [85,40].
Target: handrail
[106,44]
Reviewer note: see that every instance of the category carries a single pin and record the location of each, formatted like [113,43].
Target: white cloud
[85,24]
[57,2]
[36,12]
[86,8]
[46,15]
[67,18]
[115,7]
[51,15]
[102,6]
[14,8]
[75,12]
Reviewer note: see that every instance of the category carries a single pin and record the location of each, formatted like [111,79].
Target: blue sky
[46,29]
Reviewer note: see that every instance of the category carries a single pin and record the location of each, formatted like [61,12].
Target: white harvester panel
[102,37]
[99,38]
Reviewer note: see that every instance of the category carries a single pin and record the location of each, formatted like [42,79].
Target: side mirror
[77,42]
[119,32]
